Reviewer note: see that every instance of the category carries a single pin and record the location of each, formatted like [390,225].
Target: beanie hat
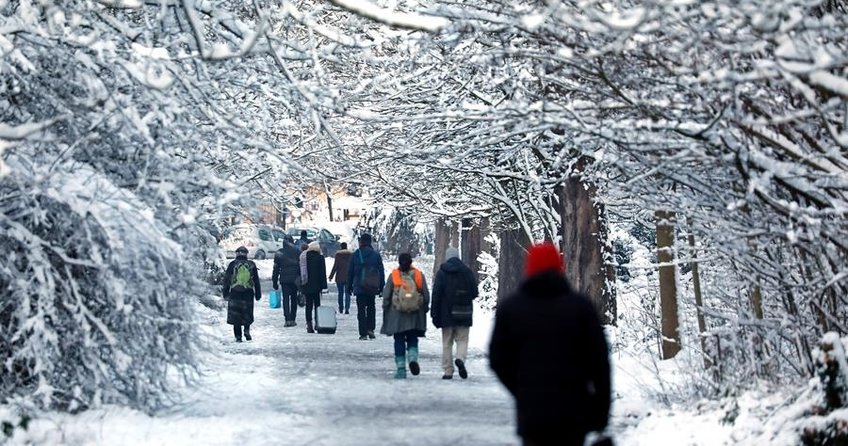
[541,258]
[451,253]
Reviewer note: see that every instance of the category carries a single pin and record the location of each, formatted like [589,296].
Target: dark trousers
[344,296]
[289,296]
[366,314]
[237,330]
[404,340]
[313,301]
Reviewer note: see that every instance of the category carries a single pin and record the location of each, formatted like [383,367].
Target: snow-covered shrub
[96,308]
[488,286]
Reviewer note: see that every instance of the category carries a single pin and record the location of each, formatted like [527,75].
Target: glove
[258,297]
[276,286]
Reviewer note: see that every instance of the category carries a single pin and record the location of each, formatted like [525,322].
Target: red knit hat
[541,258]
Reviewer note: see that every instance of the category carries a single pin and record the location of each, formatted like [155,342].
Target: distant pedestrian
[304,239]
[340,271]
[314,281]
[406,301]
[454,291]
[549,351]
[285,278]
[367,278]
[241,287]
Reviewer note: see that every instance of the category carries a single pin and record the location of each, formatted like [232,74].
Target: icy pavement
[295,388]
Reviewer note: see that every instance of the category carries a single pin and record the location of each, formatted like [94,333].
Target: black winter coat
[548,349]
[454,284]
[286,264]
[316,272]
[240,302]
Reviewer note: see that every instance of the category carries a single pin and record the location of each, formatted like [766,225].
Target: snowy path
[294,388]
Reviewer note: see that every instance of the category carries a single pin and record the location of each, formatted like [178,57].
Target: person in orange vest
[406,301]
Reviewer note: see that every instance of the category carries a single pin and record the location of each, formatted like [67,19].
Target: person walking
[314,281]
[366,277]
[548,349]
[241,287]
[454,291]
[304,239]
[406,301]
[340,271]
[284,278]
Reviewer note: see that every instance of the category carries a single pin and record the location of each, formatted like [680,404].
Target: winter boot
[412,353]
[400,362]
[463,372]
[247,336]
[309,328]
[371,334]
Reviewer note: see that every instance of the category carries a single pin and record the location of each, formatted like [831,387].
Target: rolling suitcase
[325,320]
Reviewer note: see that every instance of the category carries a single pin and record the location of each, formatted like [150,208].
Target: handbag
[301,299]
[274,299]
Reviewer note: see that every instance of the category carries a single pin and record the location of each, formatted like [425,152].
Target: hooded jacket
[316,270]
[286,264]
[454,284]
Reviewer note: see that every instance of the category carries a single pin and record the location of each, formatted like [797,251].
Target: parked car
[328,241]
[261,241]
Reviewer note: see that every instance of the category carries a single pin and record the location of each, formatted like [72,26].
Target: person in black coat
[241,286]
[284,277]
[454,291]
[548,349]
[315,281]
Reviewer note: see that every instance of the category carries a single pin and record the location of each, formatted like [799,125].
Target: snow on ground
[294,388]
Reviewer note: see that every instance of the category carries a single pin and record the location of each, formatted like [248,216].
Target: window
[325,235]
[264,235]
[279,235]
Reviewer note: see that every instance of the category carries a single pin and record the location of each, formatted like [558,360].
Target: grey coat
[397,322]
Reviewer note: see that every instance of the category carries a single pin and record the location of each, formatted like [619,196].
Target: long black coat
[286,264]
[548,348]
[240,302]
[316,273]
[454,284]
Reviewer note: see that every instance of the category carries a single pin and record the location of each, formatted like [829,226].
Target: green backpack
[242,277]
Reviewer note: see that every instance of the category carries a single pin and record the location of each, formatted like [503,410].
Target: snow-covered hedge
[95,306]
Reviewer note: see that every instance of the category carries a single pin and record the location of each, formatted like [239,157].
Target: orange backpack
[407,287]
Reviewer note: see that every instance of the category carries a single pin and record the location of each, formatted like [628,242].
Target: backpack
[242,277]
[406,296]
[370,280]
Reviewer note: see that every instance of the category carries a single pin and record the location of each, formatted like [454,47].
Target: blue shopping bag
[274,299]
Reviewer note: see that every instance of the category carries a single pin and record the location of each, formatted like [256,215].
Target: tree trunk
[440,243]
[454,234]
[471,244]
[330,205]
[699,301]
[514,245]
[668,284]
[584,247]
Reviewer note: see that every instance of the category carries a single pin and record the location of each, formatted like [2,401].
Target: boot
[412,353]
[247,334]
[400,362]
[463,372]
[309,328]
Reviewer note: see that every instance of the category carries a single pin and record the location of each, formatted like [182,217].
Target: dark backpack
[462,298]
[370,279]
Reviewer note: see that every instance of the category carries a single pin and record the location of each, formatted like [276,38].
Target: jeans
[405,340]
[366,314]
[344,296]
[288,292]
[313,301]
